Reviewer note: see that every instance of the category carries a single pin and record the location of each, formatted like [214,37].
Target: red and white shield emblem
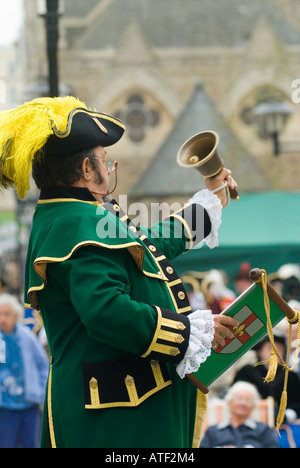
[250,324]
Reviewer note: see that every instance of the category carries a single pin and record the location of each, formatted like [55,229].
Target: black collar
[67,191]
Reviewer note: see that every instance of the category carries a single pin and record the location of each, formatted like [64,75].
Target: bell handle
[234,194]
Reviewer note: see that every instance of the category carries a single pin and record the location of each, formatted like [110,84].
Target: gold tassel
[273,361]
[273,365]
[275,355]
[200,418]
[284,395]
[282,408]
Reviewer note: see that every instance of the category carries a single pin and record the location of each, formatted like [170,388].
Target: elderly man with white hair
[23,375]
[240,431]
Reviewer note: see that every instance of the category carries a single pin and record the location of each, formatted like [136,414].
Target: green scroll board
[249,310]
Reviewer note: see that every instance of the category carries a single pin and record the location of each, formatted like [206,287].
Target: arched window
[139,117]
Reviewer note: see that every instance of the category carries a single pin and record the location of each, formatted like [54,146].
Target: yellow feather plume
[23,134]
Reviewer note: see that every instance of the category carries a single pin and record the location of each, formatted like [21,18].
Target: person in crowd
[256,375]
[241,280]
[240,431]
[218,295]
[192,281]
[276,282]
[23,375]
[287,278]
[291,289]
[3,285]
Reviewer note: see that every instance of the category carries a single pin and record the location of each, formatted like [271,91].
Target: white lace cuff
[212,204]
[201,336]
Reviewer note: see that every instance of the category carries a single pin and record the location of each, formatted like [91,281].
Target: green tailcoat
[114,312]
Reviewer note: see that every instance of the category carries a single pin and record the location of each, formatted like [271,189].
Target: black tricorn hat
[49,127]
[86,129]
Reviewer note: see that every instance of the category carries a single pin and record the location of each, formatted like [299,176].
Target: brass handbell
[200,152]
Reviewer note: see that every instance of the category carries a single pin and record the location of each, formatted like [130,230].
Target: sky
[10,20]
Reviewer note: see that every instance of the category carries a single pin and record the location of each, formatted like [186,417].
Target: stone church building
[172,68]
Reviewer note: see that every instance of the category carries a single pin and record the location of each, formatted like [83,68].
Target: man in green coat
[118,321]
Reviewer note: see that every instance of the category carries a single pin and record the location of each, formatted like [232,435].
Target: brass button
[180,326]
[169,270]
[93,383]
[152,248]
[160,274]
[179,339]
[181,295]
[116,208]
[154,363]
[133,228]
[129,380]
[174,351]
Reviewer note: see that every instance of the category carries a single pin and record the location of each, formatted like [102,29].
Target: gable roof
[178,24]
[79,8]
[164,178]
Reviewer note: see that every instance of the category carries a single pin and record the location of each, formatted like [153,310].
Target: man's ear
[86,169]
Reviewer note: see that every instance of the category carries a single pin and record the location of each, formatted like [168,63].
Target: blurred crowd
[24,362]
[211,290]
[24,365]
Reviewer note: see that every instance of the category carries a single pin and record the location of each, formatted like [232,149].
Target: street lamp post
[49,9]
[271,118]
[52,44]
